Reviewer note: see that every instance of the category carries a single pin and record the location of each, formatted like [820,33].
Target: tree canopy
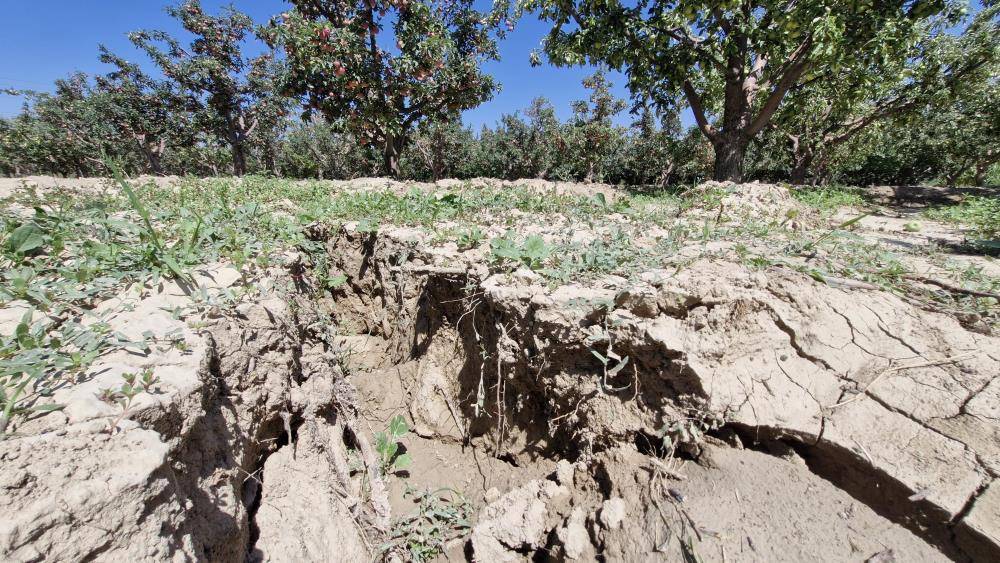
[806,91]
[382,67]
[732,62]
[234,93]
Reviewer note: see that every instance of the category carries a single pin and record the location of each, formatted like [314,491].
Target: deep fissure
[868,485]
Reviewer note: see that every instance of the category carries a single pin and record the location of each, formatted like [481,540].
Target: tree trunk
[239,159]
[983,166]
[800,170]
[802,159]
[152,151]
[270,161]
[665,173]
[390,156]
[155,167]
[979,178]
[729,151]
[951,178]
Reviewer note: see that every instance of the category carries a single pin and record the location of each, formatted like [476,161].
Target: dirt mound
[9,186]
[729,203]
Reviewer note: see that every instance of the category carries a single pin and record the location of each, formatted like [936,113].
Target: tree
[322,150]
[151,112]
[731,61]
[440,149]
[10,162]
[652,150]
[591,123]
[830,110]
[64,132]
[235,93]
[340,68]
[965,133]
[267,77]
[531,146]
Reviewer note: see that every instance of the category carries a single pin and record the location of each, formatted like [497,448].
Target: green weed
[980,214]
[830,199]
[470,238]
[387,445]
[440,517]
[532,251]
[125,394]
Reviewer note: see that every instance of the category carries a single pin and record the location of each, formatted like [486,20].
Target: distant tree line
[880,91]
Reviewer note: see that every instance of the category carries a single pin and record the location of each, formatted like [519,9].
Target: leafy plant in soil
[126,393]
[440,517]
[387,445]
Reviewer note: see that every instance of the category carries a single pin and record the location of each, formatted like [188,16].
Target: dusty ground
[719,380]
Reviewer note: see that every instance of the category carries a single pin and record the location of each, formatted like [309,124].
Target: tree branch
[699,111]
[794,66]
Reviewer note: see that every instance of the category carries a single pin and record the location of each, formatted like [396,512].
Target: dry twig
[892,369]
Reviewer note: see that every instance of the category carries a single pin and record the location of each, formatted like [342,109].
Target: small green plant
[912,227]
[830,199]
[158,254]
[126,393]
[616,253]
[810,246]
[686,434]
[367,226]
[440,517]
[387,445]
[531,252]
[600,200]
[41,355]
[981,214]
[25,239]
[470,238]
[612,363]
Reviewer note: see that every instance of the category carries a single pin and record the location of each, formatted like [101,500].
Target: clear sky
[42,40]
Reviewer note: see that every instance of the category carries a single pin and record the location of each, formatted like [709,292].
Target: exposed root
[377,492]
[951,287]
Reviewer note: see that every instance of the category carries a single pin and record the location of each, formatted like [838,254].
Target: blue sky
[43,40]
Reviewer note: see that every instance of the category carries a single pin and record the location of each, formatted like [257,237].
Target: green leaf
[336,281]
[175,268]
[398,427]
[852,221]
[26,238]
[47,408]
[535,247]
[137,205]
[508,252]
[390,450]
[402,462]
[24,338]
[621,365]
[367,226]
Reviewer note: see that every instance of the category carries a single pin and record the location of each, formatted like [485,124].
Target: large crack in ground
[507,346]
[600,419]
